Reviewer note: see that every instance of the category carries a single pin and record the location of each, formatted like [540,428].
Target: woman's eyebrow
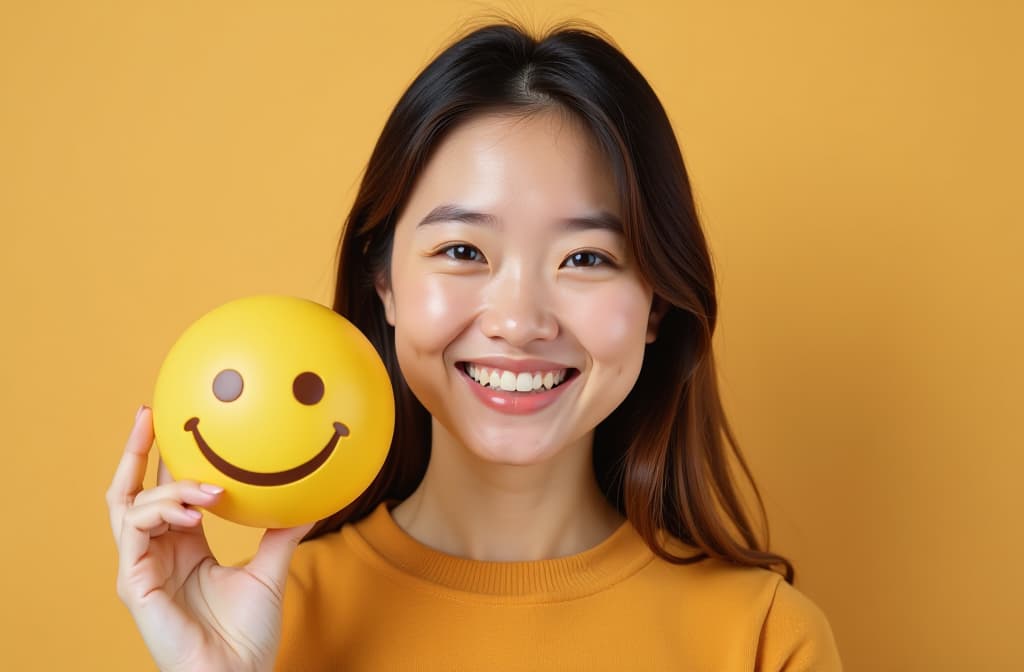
[601,219]
[452,213]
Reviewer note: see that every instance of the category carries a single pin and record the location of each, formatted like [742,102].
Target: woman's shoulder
[321,559]
[796,634]
[337,559]
[791,631]
[312,615]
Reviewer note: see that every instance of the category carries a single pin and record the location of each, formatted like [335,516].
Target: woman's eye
[463,252]
[584,259]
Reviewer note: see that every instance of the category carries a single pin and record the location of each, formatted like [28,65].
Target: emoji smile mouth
[260,477]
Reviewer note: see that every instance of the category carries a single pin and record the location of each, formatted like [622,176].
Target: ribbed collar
[381,541]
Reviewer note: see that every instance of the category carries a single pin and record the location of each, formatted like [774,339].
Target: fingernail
[192,513]
[139,412]
[210,488]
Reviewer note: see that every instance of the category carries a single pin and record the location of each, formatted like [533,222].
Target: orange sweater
[372,598]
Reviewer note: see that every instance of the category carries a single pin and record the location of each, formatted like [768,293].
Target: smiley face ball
[280,401]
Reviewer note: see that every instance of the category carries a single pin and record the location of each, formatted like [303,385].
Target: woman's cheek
[434,309]
[612,326]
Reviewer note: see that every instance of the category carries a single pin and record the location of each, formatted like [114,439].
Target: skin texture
[501,486]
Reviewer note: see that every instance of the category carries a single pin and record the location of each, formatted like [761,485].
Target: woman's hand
[193,613]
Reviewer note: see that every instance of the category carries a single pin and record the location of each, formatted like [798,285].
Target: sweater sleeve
[796,636]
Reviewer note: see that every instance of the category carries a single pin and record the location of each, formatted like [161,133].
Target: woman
[525,254]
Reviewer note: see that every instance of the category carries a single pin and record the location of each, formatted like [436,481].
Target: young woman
[525,255]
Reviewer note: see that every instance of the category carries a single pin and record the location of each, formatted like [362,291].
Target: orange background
[858,168]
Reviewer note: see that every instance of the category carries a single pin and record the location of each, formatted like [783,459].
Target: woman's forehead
[545,164]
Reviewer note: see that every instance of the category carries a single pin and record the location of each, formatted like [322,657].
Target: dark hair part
[664,457]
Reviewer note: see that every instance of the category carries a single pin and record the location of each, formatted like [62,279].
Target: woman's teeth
[515,382]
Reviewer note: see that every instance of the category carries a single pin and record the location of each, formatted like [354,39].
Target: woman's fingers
[127,481]
[188,492]
[141,523]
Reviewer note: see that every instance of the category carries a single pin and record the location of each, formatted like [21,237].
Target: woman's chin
[513,456]
[518,448]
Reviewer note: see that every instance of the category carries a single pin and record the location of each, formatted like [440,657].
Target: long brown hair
[664,457]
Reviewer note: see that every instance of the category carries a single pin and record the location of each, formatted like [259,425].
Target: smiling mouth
[261,477]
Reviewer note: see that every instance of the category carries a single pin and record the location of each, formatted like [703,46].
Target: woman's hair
[664,457]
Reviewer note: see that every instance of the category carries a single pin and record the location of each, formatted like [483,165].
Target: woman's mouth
[510,381]
[516,392]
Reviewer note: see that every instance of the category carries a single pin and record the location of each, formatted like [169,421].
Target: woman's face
[509,273]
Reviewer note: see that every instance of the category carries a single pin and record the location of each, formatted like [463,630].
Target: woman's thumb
[270,564]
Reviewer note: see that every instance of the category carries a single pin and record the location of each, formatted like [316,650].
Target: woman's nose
[518,309]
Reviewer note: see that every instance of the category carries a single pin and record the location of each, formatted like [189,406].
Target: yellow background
[858,168]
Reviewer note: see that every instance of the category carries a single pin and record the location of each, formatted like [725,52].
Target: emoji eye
[308,388]
[227,386]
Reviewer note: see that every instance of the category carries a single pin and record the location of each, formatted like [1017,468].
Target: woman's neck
[471,508]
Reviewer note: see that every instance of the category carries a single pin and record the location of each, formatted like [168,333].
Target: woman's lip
[517,403]
[515,365]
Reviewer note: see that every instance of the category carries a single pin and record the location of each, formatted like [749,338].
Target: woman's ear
[387,297]
[659,307]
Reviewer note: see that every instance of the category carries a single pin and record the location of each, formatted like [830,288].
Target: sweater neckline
[620,555]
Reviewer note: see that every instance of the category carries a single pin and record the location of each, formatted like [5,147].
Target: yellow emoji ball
[279,400]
